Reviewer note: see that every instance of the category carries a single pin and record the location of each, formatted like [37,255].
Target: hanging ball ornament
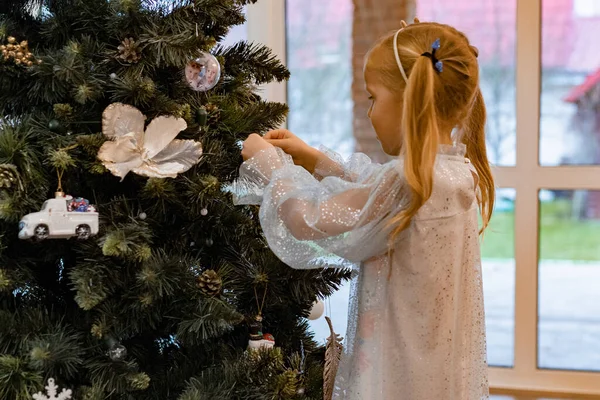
[117,352]
[203,73]
[54,125]
[204,212]
[317,310]
[143,216]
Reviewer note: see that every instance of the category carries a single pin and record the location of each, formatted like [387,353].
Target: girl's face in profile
[385,114]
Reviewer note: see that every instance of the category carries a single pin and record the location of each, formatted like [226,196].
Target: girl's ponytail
[420,138]
[474,138]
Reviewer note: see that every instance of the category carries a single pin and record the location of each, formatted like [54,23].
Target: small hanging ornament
[210,283]
[62,217]
[52,393]
[117,352]
[203,73]
[255,328]
[202,116]
[257,338]
[204,212]
[333,355]
[317,310]
[54,125]
[129,51]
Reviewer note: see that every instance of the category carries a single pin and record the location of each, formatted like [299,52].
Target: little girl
[416,324]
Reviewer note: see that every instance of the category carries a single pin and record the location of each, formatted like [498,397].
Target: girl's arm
[358,166]
[323,162]
[310,223]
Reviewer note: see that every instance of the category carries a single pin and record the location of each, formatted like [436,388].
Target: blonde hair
[433,100]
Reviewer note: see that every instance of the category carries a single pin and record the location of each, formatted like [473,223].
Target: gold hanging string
[61,171]
[262,304]
[59,174]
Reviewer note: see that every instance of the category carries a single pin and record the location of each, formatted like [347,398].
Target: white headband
[398,56]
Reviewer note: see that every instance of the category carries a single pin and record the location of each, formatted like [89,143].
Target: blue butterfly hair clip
[437,64]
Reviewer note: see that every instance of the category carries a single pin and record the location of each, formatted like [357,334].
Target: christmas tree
[125,270]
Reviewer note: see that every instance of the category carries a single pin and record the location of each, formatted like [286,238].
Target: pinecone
[129,51]
[214,113]
[210,283]
[8,176]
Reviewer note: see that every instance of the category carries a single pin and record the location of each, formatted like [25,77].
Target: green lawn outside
[561,237]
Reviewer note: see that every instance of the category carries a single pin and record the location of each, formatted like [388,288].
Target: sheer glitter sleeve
[357,166]
[314,224]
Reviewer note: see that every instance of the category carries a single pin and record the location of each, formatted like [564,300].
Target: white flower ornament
[51,391]
[154,153]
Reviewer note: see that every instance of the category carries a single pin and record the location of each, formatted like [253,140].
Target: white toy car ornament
[62,217]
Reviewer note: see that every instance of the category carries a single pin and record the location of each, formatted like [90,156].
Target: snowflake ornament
[51,390]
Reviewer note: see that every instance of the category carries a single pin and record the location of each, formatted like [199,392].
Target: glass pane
[569,276]
[336,308]
[319,43]
[570,99]
[319,56]
[491,27]
[498,259]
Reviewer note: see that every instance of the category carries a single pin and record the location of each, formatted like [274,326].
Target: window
[570,127]
[569,220]
[494,36]
[319,44]
[569,272]
[236,34]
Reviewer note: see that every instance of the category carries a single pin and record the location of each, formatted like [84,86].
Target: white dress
[416,320]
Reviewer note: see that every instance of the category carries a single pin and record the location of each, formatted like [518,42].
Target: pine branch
[163,275]
[116,377]
[131,241]
[57,352]
[17,381]
[212,319]
[253,60]
[89,280]
[257,117]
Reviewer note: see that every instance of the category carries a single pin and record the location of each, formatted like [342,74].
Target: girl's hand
[301,153]
[253,145]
